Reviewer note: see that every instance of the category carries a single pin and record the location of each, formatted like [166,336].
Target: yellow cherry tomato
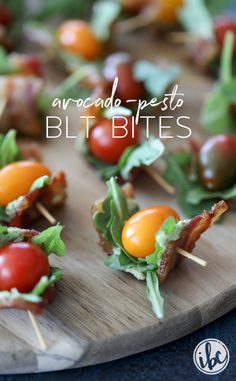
[77,37]
[138,234]
[16,179]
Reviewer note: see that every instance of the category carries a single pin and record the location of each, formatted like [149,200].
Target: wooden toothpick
[186,254]
[45,213]
[37,331]
[152,172]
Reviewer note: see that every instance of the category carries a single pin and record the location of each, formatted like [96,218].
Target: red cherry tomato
[121,65]
[5,15]
[108,148]
[222,25]
[21,266]
[138,234]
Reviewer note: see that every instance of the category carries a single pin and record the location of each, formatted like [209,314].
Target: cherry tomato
[17,178]
[121,65]
[223,24]
[167,10]
[109,149]
[21,266]
[77,37]
[138,234]
[217,163]
[5,15]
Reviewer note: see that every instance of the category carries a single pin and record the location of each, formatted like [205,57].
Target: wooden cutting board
[99,314]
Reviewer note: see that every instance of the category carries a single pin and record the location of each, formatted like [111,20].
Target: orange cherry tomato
[138,234]
[77,37]
[17,178]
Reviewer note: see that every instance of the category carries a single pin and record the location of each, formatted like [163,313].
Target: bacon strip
[49,196]
[21,111]
[190,235]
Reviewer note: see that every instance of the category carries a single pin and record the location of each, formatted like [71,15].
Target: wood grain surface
[100,314]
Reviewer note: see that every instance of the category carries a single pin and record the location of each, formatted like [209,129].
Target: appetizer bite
[27,188]
[27,281]
[147,242]
[122,156]
[204,174]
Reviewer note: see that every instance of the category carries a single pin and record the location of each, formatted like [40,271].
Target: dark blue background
[171,362]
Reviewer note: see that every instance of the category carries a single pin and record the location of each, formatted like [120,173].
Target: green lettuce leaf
[9,151]
[104,13]
[8,235]
[198,194]
[156,79]
[50,240]
[144,154]
[196,19]
[153,294]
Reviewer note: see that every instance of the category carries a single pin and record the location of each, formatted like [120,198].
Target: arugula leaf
[3,215]
[9,151]
[156,78]
[41,182]
[6,67]
[198,194]
[217,115]
[176,176]
[8,235]
[144,154]
[153,294]
[45,282]
[104,13]
[196,19]
[50,240]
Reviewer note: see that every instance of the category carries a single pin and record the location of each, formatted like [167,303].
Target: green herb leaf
[196,19]
[50,240]
[153,294]
[3,215]
[9,151]
[104,13]
[41,182]
[10,235]
[217,116]
[156,79]
[198,194]
[144,154]
[45,282]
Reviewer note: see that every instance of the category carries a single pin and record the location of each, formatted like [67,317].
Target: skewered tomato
[21,266]
[77,37]
[217,163]
[167,10]
[109,149]
[17,178]
[138,235]
[121,65]
[222,25]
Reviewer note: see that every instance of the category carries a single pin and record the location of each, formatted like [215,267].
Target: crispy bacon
[21,109]
[49,196]
[191,233]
